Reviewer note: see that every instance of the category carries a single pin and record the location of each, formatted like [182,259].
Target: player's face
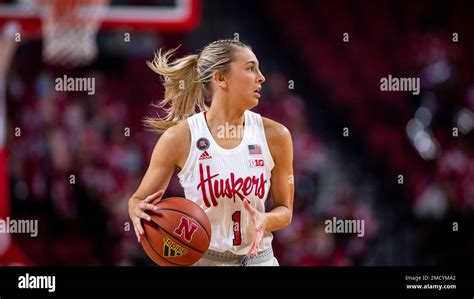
[245,79]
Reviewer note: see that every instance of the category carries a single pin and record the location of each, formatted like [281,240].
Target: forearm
[278,218]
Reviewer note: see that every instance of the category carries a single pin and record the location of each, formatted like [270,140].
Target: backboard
[160,15]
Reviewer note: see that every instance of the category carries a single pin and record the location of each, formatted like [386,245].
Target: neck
[222,113]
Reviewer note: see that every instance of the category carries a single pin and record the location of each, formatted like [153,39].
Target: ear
[220,80]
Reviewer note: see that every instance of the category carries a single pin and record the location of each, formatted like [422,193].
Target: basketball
[178,234]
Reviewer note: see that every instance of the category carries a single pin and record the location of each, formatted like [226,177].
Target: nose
[261,78]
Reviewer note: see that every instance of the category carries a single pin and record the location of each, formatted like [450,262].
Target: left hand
[258,219]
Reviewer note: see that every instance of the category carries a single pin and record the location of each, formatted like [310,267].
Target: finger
[154,196]
[138,225]
[142,215]
[147,206]
[158,198]
[257,240]
[255,252]
[253,249]
[249,253]
[257,244]
[248,207]
[137,234]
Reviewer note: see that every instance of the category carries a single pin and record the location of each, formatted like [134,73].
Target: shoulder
[278,136]
[178,133]
[174,142]
[275,131]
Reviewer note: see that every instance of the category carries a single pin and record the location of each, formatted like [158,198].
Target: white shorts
[205,262]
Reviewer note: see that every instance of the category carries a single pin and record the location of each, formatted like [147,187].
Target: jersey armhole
[186,164]
[266,146]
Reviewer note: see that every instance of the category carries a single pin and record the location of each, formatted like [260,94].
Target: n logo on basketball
[186,229]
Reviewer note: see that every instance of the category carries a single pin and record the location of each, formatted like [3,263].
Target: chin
[252,104]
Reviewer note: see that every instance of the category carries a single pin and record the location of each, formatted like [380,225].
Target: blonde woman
[227,157]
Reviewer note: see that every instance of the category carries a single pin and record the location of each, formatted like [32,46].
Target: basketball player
[227,157]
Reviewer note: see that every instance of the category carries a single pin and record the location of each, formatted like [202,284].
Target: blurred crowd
[425,141]
[76,161]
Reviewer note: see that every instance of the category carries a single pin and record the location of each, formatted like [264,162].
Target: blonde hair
[187,80]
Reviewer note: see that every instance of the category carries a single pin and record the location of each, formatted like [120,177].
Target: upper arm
[164,159]
[281,147]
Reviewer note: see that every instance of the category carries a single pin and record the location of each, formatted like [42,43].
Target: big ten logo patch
[256,163]
[186,229]
[171,249]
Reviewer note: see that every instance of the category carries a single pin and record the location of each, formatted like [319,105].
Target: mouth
[256,92]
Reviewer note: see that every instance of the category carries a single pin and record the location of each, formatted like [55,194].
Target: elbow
[289,218]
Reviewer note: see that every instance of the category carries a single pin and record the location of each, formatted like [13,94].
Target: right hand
[137,208]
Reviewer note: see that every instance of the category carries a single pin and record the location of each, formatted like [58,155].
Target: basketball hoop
[69,27]
[69,30]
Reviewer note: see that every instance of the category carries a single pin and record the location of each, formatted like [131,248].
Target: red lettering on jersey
[256,163]
[247,186]
[216,188]
[187,228]
[202,185]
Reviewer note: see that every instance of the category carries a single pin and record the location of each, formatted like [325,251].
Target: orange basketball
[178,234]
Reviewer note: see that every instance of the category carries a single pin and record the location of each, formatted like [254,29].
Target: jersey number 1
[236,227]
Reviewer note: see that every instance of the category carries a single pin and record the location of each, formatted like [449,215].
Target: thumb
[155,197]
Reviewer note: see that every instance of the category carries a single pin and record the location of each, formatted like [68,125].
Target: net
[70,30]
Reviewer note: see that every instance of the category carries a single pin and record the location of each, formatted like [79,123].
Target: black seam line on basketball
[178,240]
[169,209]
[153,248]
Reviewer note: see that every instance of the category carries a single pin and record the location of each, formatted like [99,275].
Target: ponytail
[187,81]
[183,90]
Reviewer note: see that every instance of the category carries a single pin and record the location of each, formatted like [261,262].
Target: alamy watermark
[75,84]
[344,226]
[391,83]
[229,131]
[14,226]
[28,281]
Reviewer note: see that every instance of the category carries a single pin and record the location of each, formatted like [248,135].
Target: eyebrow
[252,61]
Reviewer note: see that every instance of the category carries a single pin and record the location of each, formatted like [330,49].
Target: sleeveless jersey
[219,180]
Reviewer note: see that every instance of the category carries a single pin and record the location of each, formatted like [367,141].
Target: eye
[251,68]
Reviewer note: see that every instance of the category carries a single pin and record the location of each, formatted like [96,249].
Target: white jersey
[219,180]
